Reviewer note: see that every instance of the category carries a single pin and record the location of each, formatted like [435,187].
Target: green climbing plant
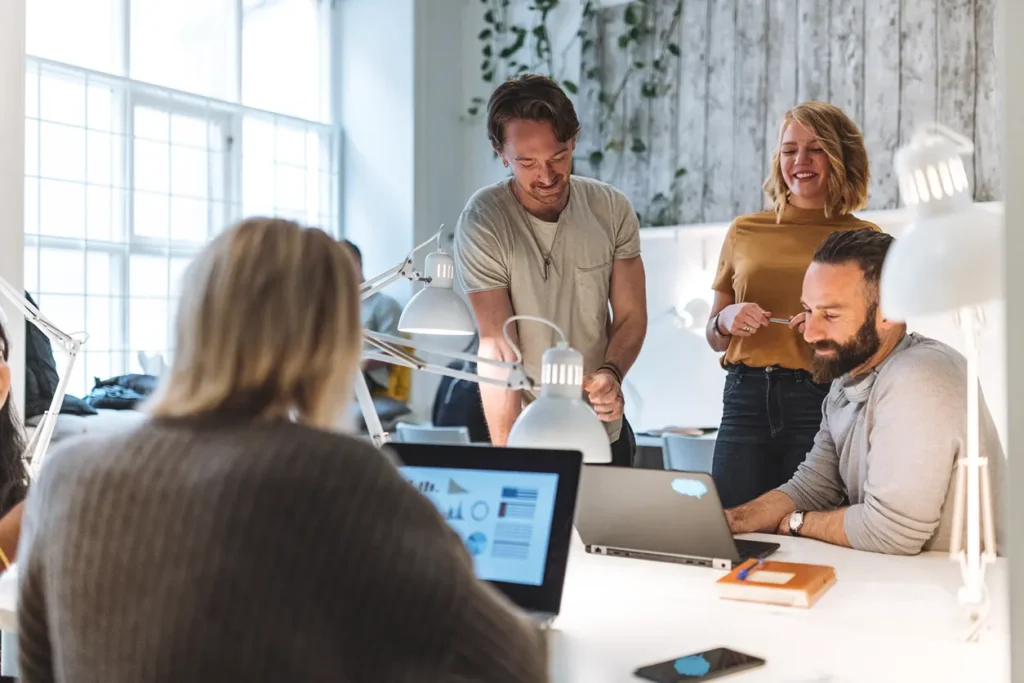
[509,48]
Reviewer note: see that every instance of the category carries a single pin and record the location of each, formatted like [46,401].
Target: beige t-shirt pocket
[593,284]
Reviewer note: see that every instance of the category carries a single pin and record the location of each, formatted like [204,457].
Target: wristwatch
[796,522]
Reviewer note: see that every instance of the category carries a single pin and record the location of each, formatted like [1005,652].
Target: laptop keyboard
[754,549]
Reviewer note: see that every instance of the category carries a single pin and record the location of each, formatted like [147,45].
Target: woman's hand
[798,322]
[743,320]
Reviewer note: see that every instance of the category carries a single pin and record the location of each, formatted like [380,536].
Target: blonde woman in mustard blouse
[772,405]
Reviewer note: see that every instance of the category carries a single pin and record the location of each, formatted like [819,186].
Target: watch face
[796,520]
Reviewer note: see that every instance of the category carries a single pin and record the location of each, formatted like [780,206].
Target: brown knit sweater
[218,550]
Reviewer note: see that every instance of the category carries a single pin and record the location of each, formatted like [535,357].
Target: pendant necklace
[533,233]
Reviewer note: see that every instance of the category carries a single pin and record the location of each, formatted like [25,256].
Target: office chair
[687,453]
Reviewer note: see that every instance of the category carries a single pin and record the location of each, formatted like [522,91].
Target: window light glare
[933,182]
[959,174]
[947,179]
[909,190]
[922,185]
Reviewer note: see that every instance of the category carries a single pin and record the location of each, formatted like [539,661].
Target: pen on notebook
[745,572]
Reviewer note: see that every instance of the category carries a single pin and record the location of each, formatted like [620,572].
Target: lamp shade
[560,418]
[437,309]
[950,255]
[943,264]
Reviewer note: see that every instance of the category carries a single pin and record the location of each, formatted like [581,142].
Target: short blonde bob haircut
[848,160]
[268,327]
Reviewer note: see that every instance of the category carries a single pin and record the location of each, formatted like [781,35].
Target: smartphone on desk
[702,666]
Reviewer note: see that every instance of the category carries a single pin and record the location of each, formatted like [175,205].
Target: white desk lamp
[949,260]
[36,448]
[558,419]
[435,309]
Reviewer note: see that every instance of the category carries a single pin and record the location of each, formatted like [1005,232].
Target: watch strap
[798,517]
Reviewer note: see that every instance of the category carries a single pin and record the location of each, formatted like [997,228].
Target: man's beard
[847,356]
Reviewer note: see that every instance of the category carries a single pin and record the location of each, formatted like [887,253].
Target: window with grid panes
[150,127]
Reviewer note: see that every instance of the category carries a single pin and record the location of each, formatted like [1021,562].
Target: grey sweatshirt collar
[858,389]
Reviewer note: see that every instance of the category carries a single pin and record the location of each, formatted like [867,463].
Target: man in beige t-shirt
[550,244]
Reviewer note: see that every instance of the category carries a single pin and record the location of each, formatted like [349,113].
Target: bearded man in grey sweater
[880,476]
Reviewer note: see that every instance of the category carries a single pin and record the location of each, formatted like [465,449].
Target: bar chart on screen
[503,518]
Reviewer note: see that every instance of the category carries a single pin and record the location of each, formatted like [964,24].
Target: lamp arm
[44,430]
[379,282]
[404,269]
[973,495]
[391,349]
[381,341]
[48,422]
[27,309]
[513,383]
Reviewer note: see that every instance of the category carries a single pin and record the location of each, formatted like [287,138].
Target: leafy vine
[508,49]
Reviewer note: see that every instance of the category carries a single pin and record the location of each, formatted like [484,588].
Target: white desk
[885,619]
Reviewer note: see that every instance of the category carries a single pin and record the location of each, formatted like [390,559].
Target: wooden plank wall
[892,65]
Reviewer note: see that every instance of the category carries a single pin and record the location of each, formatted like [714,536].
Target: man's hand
[783,529]
[605,395]
[766,514]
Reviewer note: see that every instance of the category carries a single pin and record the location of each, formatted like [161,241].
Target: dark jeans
[769,419]
[624,449]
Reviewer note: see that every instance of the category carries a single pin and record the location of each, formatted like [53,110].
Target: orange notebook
[777,583]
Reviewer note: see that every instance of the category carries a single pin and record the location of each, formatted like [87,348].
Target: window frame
[224,185]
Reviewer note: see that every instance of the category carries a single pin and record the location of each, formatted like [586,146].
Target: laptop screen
[512,507]
[504,518]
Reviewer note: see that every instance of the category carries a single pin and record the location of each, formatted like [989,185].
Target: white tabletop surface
[886,619]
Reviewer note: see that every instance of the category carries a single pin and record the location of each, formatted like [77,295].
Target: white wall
[376,105]
[438,148]
[12,176]
[400,94]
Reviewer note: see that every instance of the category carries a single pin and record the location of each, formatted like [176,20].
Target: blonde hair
[847,188]
[268,326]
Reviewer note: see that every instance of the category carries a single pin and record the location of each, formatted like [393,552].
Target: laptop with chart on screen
[511,507]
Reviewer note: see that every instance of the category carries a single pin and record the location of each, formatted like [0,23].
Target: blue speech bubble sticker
[689,487]
[694,665]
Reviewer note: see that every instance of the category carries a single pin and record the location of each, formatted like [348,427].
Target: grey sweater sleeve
[918,427]
[816,485]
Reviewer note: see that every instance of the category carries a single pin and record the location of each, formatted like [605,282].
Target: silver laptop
[512,507]
[659,515]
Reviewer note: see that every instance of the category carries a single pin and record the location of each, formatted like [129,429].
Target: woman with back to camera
[771,405]
[235,535]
